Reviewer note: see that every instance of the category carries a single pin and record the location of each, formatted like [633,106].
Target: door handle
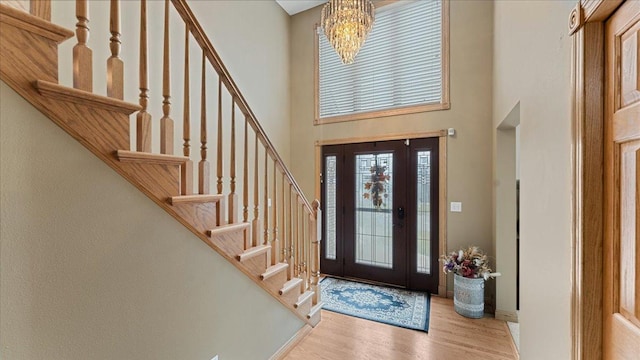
[400,213]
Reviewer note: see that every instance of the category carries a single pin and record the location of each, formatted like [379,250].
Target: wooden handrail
[200,36]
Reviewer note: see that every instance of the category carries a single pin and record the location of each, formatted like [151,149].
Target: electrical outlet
[456,206]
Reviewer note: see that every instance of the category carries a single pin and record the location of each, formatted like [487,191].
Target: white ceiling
[293,7]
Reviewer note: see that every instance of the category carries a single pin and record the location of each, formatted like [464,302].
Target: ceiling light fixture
[347,23]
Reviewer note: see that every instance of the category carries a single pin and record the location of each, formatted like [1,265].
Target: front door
[381,212]
[622,184]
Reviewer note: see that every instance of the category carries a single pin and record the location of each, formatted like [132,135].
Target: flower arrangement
[471,263]
[375,189]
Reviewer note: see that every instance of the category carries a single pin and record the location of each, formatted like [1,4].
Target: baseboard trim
[505,315]
[289,345]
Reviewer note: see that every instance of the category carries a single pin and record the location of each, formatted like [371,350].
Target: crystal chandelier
[346,23]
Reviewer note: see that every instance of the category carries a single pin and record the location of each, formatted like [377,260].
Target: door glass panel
[423,191]
[330,207]
[374,210]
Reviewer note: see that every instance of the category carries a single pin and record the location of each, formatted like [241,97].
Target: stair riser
[274,283]
[304,308]
[315,319]
[292,296]
[33,64]
[162,180]
[256,265]
[230,242]
[202,216]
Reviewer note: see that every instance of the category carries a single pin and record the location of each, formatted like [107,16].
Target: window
[402,67]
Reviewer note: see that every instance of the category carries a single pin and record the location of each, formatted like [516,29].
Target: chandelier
[346,23]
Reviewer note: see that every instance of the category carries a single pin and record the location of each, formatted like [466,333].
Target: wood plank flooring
[450,336]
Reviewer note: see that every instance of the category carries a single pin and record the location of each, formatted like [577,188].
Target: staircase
[256,217]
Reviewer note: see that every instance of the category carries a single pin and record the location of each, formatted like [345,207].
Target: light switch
[456,206]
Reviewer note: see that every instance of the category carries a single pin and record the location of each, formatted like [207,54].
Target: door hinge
[344,261]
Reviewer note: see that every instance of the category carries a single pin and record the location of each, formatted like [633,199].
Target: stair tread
[314,309]
[289,285]
[53,90]
[34,24]
[196,198]
[150,158]
[228,228]
[273,270]
[252,252]
[303,298]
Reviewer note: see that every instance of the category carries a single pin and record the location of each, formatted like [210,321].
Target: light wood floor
[450,336]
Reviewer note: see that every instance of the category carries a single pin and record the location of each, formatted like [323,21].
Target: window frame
[444,104]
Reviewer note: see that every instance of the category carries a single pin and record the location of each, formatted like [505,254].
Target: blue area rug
[408,309]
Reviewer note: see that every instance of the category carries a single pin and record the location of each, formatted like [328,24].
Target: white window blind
[399,65]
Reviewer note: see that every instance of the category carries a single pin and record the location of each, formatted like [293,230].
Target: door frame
[586,26]
[442,168]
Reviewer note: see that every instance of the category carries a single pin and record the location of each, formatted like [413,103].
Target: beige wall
[469,152]
[90,267]
[532,66]
[505,220]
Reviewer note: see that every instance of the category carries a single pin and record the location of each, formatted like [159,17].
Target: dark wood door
[380,212]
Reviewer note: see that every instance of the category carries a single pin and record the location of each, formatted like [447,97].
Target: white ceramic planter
[468,296]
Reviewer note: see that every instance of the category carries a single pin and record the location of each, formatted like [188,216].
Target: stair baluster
[255,225]
[115,66]
[203,165]
[245,176]
[296,232]
[291,235]
[266,198]
[166,123]
[82,54]
[143,119]
[275,242]
[187,169]
[304,256]
[233,197]
[283,237]
[220,208]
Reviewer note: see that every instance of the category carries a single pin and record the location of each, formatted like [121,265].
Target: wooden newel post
[315,233]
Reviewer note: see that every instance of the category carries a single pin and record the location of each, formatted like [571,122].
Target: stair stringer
[160,182]
[29,66]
